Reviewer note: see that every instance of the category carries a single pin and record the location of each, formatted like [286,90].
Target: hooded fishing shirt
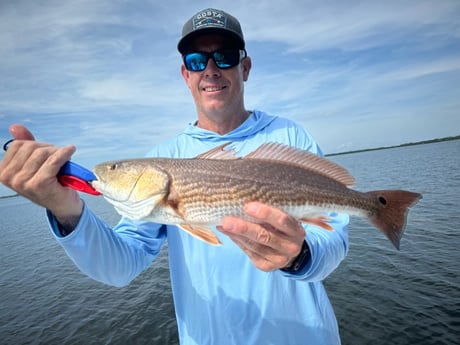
[220,297]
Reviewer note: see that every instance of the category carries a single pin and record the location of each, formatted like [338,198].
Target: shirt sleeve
[112,256]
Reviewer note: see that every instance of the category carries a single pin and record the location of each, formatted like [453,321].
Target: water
[381,296]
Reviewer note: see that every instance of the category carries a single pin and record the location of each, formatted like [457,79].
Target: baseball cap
[208,21]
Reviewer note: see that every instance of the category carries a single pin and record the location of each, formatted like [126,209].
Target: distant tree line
[390,147]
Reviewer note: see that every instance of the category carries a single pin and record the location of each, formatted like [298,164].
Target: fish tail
[391,219]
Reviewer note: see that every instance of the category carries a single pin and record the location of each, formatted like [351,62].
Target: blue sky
[105,75]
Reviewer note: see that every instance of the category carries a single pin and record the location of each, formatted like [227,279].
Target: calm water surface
[381,296]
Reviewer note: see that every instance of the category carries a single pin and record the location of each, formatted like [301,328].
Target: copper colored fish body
[199,192]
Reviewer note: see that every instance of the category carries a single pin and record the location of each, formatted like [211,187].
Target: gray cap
[208,21]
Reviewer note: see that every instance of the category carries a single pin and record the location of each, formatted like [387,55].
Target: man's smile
[213,88]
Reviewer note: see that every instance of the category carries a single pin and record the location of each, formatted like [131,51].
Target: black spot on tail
[391,218]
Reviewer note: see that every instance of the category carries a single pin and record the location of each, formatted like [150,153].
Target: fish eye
[114,166]
[382,200]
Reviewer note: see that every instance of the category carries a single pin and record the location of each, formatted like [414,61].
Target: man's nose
[212,69]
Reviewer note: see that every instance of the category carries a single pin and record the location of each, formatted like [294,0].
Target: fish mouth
[104,188]
[107,194]
[99,187]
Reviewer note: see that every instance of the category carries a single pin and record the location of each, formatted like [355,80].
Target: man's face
[215,90]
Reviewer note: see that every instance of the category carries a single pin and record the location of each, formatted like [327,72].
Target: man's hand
[272,244]
[30,168]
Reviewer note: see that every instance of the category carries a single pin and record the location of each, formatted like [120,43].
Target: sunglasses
[224,59]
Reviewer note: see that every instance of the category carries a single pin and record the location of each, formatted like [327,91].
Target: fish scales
[205,182]
[199,192]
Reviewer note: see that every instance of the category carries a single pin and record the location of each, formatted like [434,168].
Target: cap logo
[209,18]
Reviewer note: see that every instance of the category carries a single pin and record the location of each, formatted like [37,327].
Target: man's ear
[247,64]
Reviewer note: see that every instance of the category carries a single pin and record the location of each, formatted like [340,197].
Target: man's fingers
[26,158]
[276,218]
[272,241]
[263,238]
[20,132]
[264,258]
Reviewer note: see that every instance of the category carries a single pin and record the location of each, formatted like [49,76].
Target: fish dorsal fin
[218,153]
[306,160]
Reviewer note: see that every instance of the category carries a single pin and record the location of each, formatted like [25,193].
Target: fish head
[131,181]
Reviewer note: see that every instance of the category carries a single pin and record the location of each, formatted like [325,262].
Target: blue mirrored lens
[196,61]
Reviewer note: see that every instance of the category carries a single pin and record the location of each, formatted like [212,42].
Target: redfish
[197,193]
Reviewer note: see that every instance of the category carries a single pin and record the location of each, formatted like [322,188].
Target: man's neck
[222,124]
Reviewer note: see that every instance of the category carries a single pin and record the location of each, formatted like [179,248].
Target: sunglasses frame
[212,55]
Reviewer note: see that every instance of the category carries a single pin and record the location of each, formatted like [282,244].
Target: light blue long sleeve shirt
[220,297]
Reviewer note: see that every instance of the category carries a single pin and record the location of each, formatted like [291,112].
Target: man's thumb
[20,132]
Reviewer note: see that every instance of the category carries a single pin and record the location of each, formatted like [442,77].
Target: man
[263,285]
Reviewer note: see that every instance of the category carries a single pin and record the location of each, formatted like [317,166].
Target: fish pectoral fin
[320,221]
[202,233]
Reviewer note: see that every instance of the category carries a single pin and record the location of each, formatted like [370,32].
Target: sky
[105,75]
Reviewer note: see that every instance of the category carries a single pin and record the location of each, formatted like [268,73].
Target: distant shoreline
[8,196]
[394,146]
